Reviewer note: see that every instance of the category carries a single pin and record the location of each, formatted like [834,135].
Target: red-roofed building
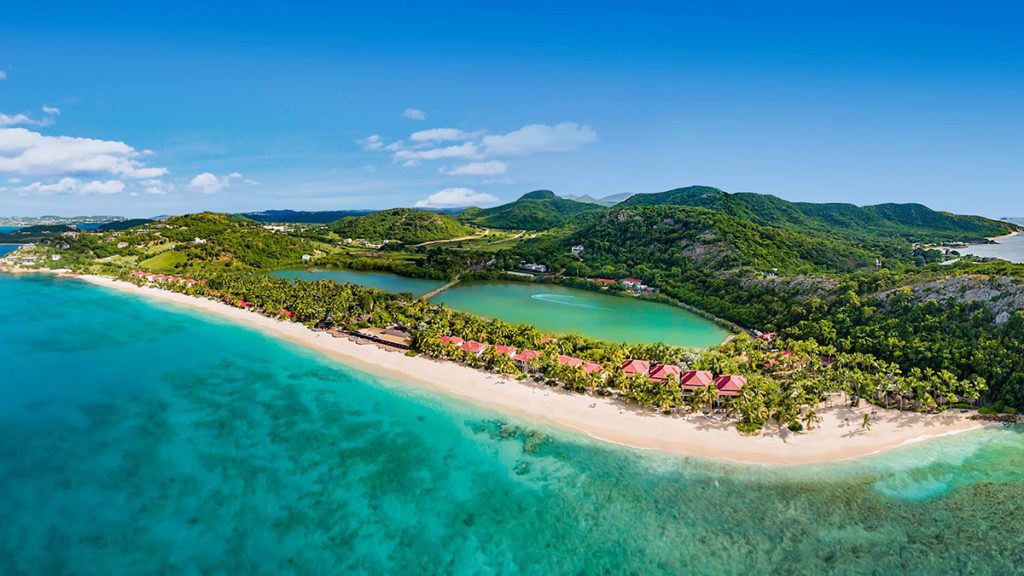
[730,384]
[288,313]
[591,367]
[662,372]
[244,304]
[569,361]
[526,358]
[474,347]
[694,379]
[634,367]
[633,282]
[453,340]
[547,339]
[605,281]
[767,337]
[505,350]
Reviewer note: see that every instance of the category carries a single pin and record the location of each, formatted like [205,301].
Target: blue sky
[159,107]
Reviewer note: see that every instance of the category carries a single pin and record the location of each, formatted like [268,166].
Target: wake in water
[572,301]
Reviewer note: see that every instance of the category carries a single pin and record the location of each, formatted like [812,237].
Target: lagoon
[379,280]
[560,309]
[147,439]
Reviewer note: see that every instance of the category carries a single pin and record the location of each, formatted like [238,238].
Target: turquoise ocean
[141,438]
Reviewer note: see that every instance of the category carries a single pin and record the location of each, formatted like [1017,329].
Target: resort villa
[689,381]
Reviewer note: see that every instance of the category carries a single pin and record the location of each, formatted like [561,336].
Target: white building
[577,250]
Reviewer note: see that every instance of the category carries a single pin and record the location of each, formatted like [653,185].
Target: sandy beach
[838,437]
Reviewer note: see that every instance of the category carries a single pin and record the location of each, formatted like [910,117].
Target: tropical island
[840,318]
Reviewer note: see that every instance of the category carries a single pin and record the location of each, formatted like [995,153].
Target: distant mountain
[123,224]
[537,210]
[303,217]
[913,222]
[607,201]
[404,225]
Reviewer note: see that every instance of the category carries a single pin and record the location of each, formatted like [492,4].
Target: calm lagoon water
[379,280]
[139,438]
[1010,249]
[560,309]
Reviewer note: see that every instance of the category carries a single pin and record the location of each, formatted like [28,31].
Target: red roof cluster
[453,340]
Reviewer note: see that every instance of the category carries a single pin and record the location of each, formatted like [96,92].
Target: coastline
[838,436]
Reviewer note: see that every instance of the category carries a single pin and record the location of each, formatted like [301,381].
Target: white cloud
[51,110]
[31,153]
[209,183]
[441,135]
[414,114]
[536,138]
[489,168]
[68,185]
[156,187]
[465,150]
[14,180]
[21,119]
[3,75]
[372,142]
[454,198]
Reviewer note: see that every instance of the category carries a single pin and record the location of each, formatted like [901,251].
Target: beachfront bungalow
[452,340]
[505,350]
[662,372]
[474,347]
[569,361]
[730,384]
[591,367]
[526,359]
[387,336]
[634,367]
[694,380]
[547,339]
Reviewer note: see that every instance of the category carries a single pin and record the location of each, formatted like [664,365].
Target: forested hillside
[402,225]
[538,210]
[909,222]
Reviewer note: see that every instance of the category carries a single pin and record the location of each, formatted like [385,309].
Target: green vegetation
[784,389]
[538,210]
[402,225]
[836,278]
[912,222]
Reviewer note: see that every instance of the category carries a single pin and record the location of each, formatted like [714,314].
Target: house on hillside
[577,250]
[539,268]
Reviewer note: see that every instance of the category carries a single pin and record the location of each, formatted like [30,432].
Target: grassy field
[163,262]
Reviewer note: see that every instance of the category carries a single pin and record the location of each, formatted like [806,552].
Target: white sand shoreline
[838,437]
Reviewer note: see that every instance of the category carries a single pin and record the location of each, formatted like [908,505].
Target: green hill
[403,225]
[538,210]
[910,222]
